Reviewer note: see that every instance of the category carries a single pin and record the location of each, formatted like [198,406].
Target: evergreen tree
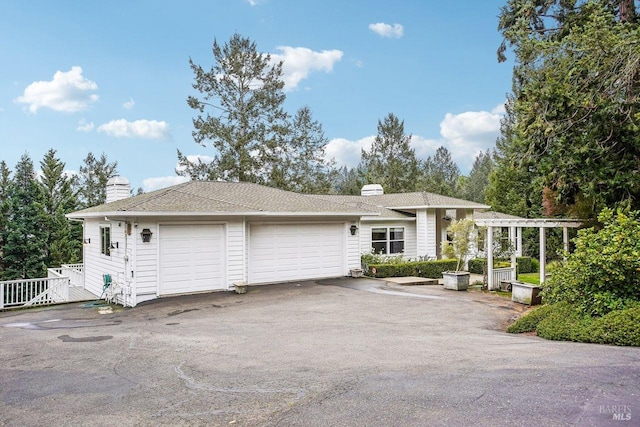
[474,187]
[441,174]
[91,183]
[25,250]
[64,238]
[247,125]
[348,181]
[576,98]
[5,182]
[391,161]
[305,168]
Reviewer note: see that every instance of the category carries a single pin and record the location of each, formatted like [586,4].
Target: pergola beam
[512,223]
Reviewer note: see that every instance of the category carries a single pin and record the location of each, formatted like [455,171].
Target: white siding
[97,264]
[422,247]
[353,246]
[146,262]
[431,238]
[235,253]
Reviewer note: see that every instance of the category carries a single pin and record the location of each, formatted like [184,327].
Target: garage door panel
[192,258]
[295,251]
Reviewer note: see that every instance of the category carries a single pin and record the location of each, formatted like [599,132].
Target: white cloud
[152,184]
[386,30]
[68,92]
[147,129]
[84,126]
[298,62]
[347,152]
[129,104]
[255,2]
[469,133]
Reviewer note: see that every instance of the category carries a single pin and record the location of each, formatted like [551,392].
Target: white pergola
[513,224]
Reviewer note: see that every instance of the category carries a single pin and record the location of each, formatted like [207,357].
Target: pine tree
[64,244]
[441,174]
[247,125]
[26,239]
[305,169]
[474,187]
[5,182]
[391,161]
[91,184]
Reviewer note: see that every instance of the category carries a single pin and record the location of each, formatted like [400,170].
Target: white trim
[139,214]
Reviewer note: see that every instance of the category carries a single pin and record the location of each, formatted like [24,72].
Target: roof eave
[80,215]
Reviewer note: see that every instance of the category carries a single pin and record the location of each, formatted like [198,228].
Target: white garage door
[295,251]
[192,258]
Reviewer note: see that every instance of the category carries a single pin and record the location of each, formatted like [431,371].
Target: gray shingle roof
[241,198]
[210,197]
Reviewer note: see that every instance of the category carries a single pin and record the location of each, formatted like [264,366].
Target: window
[387,240]
[105,241]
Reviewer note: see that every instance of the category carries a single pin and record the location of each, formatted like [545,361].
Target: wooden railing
[30,292]
[503,275]
[73,271]
[54,289]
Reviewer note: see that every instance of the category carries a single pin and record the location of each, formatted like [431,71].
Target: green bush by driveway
[567,322]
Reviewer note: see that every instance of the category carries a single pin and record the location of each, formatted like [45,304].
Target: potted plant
[463,237]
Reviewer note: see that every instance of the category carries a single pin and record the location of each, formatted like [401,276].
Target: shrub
[477,265]
[564,322]
[567,322]
[618,327]
[603,272]
[430,269]
[529,322]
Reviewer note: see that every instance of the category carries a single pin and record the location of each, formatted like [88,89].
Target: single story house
[204,236]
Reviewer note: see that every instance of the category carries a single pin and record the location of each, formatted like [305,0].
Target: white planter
[525,293]
[456,280]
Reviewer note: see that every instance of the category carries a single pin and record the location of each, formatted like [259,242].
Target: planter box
[526,293]
[456,280]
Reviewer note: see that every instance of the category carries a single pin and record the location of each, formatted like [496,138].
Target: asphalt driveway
[350,352]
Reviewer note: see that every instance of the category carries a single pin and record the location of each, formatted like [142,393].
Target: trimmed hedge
[565,322]
[524,264]
[429,269]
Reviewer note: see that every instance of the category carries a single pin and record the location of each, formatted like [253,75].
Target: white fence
[73,271]
[503,275]
[53,289]
[29,292]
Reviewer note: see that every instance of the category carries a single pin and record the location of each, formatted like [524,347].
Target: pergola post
[543,255]
[490,258]
[565,239]
[514,242]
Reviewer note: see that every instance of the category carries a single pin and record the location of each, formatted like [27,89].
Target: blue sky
[113,77]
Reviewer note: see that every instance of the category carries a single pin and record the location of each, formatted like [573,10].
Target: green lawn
[533,278]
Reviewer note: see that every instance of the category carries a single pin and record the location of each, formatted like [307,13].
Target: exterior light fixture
[86,241]
[114,245]
[353,229]
[146,235]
